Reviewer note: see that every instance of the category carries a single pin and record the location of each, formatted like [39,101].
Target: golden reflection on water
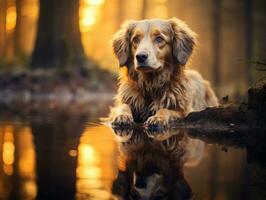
[8,150]
[96,163]
[27,161]
[96,167]
[18,158]
[209,170]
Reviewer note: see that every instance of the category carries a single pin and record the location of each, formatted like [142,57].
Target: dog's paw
[123,134]
[122,120]
[156,123]
[122,131]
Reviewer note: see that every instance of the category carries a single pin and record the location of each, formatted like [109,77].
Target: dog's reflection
[151,165]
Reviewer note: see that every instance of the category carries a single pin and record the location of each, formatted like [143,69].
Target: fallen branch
[231,117]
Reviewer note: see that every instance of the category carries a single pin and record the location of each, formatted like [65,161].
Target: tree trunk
[58,42]
[18,45]
[216,42]
[120,13]
[55,183]
[248,31]
[144,9]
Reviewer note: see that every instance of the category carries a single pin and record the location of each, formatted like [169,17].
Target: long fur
[173,88]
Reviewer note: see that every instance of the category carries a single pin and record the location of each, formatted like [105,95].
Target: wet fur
[159,97]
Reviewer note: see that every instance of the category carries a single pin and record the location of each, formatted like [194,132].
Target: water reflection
[55,169]
[152,166]
[188,164]
[18,162]
[96,163]
[63,157]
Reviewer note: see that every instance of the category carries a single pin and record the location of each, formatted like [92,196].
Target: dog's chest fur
[148,94]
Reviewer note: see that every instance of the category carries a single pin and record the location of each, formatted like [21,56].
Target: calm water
[62,153]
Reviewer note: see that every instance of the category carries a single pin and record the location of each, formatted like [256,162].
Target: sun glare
[94,2]
[89,14]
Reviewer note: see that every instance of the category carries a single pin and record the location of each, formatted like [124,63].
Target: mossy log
[231,116]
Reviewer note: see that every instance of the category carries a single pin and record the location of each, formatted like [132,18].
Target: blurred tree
[144,9]
[18,45]
[58,42]
[3,7]
[120,12]
[174,9]
[249,28]
[56,177]
[216,41]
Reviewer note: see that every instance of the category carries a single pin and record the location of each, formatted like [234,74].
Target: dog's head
[151,45]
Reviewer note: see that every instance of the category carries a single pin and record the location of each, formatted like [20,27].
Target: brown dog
[154,86]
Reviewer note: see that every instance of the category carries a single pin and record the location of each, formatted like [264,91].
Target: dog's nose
[142,57]
[141,182]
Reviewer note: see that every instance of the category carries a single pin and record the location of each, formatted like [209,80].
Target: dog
[154,86]
[151,167]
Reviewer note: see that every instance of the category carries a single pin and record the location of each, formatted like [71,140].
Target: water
[62,152]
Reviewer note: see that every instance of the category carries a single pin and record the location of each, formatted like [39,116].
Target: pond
[51,151]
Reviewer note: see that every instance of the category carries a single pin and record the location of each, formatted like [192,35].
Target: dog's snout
[142,57]
[141,182]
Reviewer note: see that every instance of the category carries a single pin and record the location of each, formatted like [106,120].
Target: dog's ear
[121,43]
[184,40]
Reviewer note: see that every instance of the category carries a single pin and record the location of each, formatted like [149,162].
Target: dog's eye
[135,40]
[159,39]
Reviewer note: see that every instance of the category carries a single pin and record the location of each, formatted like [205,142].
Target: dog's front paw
[122,120]
[156,123]
[123,133]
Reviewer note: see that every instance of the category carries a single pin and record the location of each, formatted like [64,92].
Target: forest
[73,38]
[58,77]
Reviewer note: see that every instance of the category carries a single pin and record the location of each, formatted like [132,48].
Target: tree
[144,9]
[120,12]
[18,30]
[58,42]
[248,35]
[216,41]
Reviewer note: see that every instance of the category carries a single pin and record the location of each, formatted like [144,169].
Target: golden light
[87,161]
[26,161]
[8,169]
[8,150]
[72,153]
[89,172]
[161,1]
[11,18]
[161,11]
[94,2]
[30,10]
[8,155]
[27,153]
[95,170]
[31,189]
[88,18]
[87,155]
[89,13]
